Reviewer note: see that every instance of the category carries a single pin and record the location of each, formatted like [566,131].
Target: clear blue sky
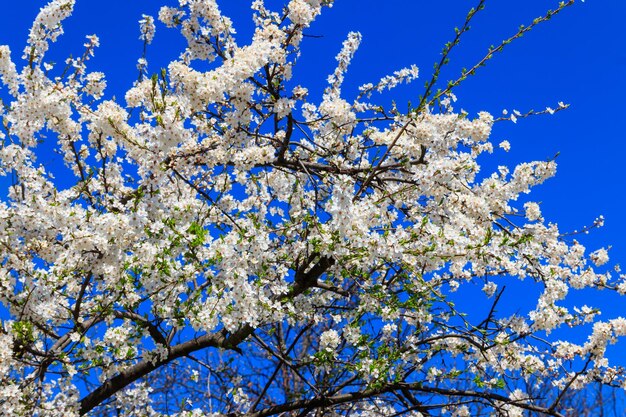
[578,58]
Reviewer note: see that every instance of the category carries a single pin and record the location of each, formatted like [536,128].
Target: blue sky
[578,58]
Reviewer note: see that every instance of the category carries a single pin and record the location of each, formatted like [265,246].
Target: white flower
[283,107]
[170,16]
[299,92]
[329,340]
[7,70]
[47,28]
[533,212]
[303,12]
[147,28]
[388,330]
[490,289]
[461,411]
[95,84]
[599,257]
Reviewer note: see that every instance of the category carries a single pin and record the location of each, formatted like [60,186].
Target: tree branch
[352,397]
[303,281]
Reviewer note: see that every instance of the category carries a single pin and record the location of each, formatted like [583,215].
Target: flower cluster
[222,223]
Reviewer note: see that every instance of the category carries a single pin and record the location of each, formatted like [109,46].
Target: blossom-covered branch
[219,243]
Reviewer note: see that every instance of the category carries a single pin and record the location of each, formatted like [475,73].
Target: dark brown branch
[143,368]
[154,332]
[280,364]
[285,144]
[304,280]
[353,397]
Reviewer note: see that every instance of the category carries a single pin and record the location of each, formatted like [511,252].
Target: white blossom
[532,211]
[329,340]
[147,28]
[599,257]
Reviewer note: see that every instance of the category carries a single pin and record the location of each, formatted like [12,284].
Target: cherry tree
[230,247]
